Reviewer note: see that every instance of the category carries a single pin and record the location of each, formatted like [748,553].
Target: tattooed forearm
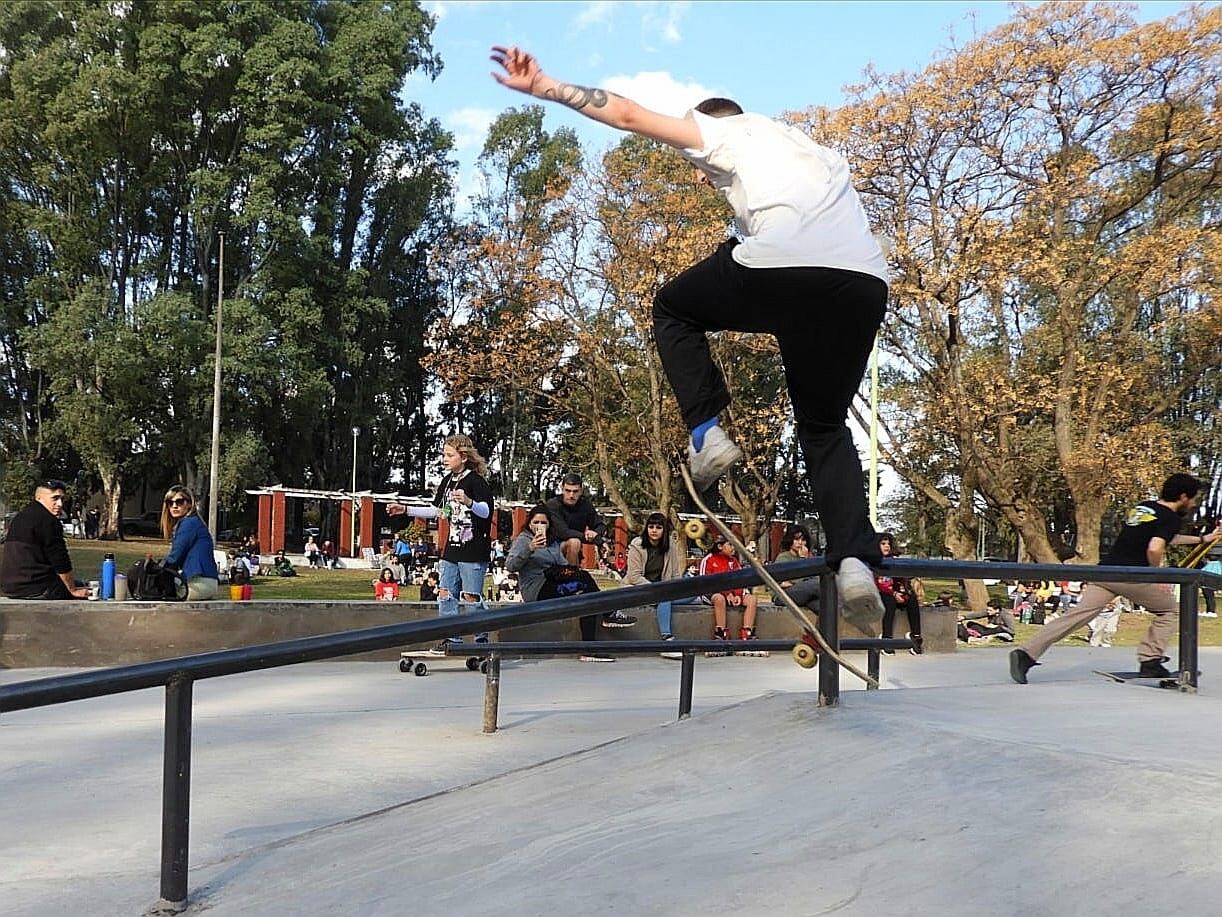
[576,97]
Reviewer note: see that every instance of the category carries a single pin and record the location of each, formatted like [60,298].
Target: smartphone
[539,528]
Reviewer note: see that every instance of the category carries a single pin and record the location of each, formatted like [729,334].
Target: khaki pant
[201,588]
[1158,599]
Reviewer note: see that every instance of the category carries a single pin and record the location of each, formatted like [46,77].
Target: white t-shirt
[793,203]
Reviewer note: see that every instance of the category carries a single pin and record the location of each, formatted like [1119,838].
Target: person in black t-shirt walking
[465,500]
[1150,526]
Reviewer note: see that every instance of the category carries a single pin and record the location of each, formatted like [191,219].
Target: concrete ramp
[1058,798]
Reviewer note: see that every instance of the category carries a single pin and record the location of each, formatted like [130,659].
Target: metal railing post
[687,672]
[176,793]
[829,624]
[492,692]
[872,667]
[1188,638]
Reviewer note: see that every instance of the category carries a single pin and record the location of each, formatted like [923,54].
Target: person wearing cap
[36,564]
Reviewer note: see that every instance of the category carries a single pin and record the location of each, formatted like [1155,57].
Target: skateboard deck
[806,652]
[1137,678]
[413,661]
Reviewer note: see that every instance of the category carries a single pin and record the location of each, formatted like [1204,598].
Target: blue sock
[698,433]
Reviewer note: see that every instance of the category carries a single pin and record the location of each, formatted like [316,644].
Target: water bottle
[108,577]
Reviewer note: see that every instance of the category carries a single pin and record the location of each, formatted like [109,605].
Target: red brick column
[366,522]
[519,520]
[279,517]
[265,523]
[345,528]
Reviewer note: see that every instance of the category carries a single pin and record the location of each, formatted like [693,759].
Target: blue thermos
[108,577]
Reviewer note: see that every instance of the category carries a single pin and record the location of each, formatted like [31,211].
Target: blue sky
[769,56]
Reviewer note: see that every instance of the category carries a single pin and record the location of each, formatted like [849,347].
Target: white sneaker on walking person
[717,455]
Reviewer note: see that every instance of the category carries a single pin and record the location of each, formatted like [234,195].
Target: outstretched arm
[522,72]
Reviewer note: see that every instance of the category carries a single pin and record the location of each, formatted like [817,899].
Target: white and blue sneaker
[859,598]
[717,455]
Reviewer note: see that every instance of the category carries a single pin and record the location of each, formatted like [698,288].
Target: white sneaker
[717,457]
[670,654]
[863,606]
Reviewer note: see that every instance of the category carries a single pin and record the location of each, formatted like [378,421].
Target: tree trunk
[112,495]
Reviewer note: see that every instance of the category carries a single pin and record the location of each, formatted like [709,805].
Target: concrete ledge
[37,634]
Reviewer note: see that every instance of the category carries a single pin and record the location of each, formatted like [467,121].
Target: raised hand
[521,69]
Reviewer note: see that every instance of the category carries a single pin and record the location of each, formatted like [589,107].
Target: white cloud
[658,90]
[597,12]
[663,20]
[469,125]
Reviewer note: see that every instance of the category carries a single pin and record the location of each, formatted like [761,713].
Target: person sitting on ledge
[36,564]
[191,549]
[537,556]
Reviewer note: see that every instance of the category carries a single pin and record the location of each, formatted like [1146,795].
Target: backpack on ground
[149,580]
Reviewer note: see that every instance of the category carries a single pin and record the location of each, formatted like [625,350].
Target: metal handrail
[178,675]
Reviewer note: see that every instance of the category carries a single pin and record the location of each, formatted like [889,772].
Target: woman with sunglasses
[191,549]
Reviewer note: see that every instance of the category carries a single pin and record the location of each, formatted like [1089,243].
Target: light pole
[356,431]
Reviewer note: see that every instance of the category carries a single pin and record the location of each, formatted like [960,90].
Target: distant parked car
[145,524]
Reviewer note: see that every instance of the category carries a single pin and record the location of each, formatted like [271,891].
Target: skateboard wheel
[483,667]
[805,655]
[405,665]
[420,669]
[472,663]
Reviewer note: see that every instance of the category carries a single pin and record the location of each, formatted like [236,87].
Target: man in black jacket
[36,563]
[579,521]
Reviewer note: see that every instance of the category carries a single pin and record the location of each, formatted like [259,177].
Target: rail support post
[492,693]
[686,673]
[829,624]
[872,667]
[1189,663]
[176,794]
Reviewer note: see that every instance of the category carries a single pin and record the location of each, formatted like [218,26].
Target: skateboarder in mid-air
[806,270]
[1149,527]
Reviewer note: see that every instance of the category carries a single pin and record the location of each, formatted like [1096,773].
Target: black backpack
[149,580]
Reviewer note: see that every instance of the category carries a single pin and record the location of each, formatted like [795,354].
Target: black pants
[911,608]
[824,321]
[577,582]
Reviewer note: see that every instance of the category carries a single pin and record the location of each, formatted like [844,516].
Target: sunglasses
[177,501]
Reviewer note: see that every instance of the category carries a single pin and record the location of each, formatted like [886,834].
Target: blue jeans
[664,609]
[460,579]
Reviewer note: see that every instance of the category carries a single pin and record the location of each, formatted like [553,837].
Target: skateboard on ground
[806,651]
[413,661]
[1148,681]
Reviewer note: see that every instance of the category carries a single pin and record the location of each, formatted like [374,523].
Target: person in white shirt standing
[807,270]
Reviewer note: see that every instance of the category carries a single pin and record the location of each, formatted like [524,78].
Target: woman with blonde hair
[465,500]
[190,544]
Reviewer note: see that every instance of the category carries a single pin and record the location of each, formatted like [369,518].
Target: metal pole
[829,623]
[687,672]
[872,667]
[214,484]
[356,537]
[492,693]
[1188,638]
[176,793]
[874,434]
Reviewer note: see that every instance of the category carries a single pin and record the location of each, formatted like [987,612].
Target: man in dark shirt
[580,521]
[1149,527]
[36,563]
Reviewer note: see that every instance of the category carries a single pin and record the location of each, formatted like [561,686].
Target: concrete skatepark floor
[960,794]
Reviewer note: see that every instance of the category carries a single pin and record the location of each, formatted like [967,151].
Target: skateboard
[1123,678]
[806,651]
[412,662]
